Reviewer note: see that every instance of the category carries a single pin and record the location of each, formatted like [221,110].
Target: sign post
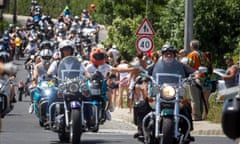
[145,43]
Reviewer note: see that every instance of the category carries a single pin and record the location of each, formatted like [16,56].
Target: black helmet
[167,47]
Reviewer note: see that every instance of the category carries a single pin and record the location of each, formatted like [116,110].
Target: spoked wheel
[75,126]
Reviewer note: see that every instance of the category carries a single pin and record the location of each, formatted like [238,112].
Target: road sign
[145,28]
[144,43]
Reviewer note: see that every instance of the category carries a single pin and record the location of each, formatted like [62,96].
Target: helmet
[66,43]
[167,47]
[97,56]
[46,55]
[76,17]
[46,45]
[73,30]
[34,2]
[11,25]
[4,56]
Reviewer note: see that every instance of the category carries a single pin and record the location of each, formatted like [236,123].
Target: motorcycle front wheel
[168,130]
[75,126]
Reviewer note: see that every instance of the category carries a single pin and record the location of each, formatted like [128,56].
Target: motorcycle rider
[66,48]
[40,70]
[6,70]
[98,63]
[169,64]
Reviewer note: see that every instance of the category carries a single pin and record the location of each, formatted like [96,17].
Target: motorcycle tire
[168,130]
[76,126]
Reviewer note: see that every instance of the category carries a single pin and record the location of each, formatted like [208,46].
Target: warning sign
[145,28]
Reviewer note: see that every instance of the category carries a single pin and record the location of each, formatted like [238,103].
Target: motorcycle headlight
[47,92]
[73,87]
[168,91]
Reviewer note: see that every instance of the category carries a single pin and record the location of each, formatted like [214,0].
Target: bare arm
[131,69]
[232,71]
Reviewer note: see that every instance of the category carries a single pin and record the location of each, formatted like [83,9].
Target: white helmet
[46,55]
[66,43]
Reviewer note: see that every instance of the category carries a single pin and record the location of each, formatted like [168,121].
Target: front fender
[75,104]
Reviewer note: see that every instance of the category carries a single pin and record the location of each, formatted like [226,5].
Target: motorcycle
[83,105]
[5,102]
[161,123]
[23,87]
[41,94]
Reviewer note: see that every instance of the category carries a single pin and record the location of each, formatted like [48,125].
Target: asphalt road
[20,127]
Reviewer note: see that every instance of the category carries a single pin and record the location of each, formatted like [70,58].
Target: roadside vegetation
[216,23]
[215,110]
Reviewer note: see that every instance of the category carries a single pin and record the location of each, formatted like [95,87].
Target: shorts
[123,82]
[131,87]
[113,86]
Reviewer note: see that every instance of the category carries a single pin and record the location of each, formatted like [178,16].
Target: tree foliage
[216,22]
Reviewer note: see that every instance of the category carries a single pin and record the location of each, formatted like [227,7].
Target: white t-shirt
[104,69]
[123,74]
[53,68]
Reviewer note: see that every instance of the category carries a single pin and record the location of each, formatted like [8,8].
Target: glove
[10,68]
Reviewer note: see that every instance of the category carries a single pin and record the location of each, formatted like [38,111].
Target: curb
[200,127]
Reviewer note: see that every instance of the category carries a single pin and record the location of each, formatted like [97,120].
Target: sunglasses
[171,49]
[67,48]
[46,57]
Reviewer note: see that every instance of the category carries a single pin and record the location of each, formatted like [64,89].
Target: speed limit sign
[144,43]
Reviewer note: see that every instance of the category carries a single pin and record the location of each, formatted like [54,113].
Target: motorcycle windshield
[162,78]
[71,68]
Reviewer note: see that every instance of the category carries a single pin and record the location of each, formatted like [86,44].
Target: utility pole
[15,12]
[188,31]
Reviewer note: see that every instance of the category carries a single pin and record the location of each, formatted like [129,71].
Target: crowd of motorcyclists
[49,46]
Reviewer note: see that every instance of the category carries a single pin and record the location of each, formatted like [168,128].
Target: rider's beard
[168,60]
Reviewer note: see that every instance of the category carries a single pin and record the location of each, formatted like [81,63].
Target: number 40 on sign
[144,43]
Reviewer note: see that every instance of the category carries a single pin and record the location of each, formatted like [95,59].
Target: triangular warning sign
[145,28]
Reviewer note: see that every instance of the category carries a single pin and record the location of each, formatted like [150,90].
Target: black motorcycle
[159,117]
[82,105]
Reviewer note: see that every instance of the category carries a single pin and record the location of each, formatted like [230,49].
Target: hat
[182,51]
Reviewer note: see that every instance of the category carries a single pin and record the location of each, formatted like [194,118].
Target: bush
[215,110]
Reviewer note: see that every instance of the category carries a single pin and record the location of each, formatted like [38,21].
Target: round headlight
[73,87]
[168,91]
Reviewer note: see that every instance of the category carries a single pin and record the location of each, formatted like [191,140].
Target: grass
[215,110]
